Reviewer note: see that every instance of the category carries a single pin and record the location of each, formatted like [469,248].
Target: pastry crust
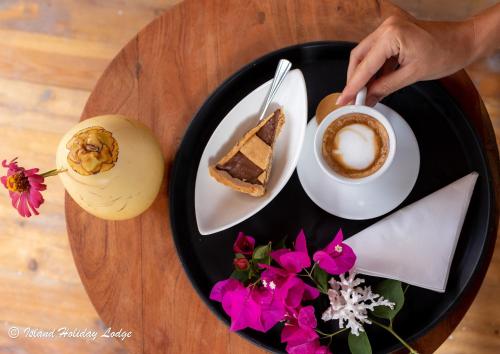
[255,190]
[239,185]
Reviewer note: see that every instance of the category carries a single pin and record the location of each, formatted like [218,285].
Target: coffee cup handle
[361,97]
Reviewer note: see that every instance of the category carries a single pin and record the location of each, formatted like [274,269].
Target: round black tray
[449,149]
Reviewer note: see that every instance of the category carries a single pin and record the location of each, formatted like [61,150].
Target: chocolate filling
[267,132]
[239,166]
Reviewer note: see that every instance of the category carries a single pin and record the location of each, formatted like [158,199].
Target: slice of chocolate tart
[247,166]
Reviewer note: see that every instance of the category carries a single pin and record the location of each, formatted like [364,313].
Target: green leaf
[359,344]
[266,260]
[321,277]
[241,275]
[261,253]
[392,291]
[239,255]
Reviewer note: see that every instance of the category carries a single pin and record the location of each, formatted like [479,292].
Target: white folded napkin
[416,244]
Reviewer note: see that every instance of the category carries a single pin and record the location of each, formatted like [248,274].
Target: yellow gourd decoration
[114,166]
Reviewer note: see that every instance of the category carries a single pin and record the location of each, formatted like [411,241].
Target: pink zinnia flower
[337,257]
[244,244]
[24,187]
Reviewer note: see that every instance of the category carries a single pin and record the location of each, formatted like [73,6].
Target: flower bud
[241,263]
[244,244]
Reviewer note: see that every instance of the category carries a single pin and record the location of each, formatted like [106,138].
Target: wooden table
[130,269]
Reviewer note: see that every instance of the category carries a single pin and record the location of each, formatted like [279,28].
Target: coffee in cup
[355,145]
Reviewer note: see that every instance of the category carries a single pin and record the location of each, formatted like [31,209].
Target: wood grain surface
[52,53]
[161,77]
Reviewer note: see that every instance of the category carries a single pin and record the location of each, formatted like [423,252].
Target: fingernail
[339,100]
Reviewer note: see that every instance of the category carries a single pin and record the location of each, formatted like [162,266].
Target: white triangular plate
[218,207]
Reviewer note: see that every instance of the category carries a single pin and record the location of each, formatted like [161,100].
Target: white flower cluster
[349,302]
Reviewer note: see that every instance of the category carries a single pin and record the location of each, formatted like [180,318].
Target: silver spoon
[281,71]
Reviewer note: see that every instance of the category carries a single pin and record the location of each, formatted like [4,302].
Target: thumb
[387,84]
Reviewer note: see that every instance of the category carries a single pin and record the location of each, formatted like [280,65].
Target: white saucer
[369,200]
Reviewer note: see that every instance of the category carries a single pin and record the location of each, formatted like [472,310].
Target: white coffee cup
[358,107]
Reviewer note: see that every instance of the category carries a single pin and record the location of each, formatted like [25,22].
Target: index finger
[359,52]
[366,69]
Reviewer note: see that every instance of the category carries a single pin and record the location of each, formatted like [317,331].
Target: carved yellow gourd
[114,166]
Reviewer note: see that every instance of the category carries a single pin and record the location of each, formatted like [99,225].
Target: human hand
[403,50]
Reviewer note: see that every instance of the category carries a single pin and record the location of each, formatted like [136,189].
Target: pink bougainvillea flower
[321,349]
[337,257]
[24,188]
[222,287]
[253,306]
[244,244]
[313,347]
[288,287]
[271,308]
[293,291]
[296,260]
[299,327]
[300,335]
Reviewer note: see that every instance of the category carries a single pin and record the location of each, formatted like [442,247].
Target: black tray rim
[482,262]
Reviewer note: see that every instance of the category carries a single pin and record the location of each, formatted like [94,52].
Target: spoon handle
[279,76]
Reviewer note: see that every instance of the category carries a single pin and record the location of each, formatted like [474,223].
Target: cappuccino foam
[355,145]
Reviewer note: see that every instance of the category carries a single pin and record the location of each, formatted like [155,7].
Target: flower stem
[318,286]
[391,331]
[255,282]
[53,172]
[314,266]
[331,334]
